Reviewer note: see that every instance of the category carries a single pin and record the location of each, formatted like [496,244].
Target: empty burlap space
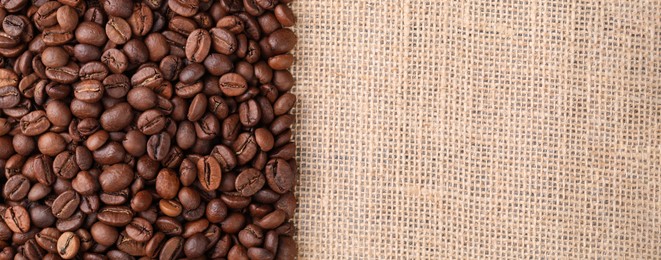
[432,129]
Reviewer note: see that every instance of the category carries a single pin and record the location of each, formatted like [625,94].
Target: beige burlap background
[435,129]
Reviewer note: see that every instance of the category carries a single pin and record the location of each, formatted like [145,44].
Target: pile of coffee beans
[153,129]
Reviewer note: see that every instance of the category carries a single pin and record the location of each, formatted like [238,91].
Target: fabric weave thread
[435,129]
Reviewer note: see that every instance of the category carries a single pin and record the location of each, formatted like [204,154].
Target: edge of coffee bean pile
[155,129]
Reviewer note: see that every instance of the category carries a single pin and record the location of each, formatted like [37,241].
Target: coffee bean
[116,216]
[116,177]
[90,33]
[104,234]
[47,239]
[141,20]
[54,57]
[68,245]
[130,245]
[223,41]
[16,188]
[209,173]
[118,30]
[67,18]
[140,230]
[180,110]
[66,204]
[116,60]
[120,8]
[172,248]
[249,182]
[17,219]
[158,146]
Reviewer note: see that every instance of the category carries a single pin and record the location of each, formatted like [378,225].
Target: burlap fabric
[430,129]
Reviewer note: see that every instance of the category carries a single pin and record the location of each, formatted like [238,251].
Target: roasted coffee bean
[66,204]
[120,8]
[17,219]
[116,60]
[104,234]
[116,216]
[47,239]
[209,173]
[141,20]
[68,245]
[140,230]
[136,129]
[172,248]
[249,182]
[116,177]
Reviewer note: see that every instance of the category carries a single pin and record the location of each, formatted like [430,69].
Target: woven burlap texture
[478,129]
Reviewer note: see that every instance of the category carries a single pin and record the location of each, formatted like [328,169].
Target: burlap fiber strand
[478,129]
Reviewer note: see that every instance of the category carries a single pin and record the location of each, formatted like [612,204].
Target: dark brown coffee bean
[67,18]
[172,248]
[54,57]
[47,239]
[197,45]
[46,15]
[139,230]
[233,84]
[149,77]
[136,51]
[14,25]
[58,113]
[130,245]
[223,41]
[17,219]
[91,33]
[151,122]
[16,188]
[118,30]
[196,245]
[245,148]
[231,23]
[177,42]
[23,145]
[86,52]
[110,153]
[249,113]
[104,234]
[158,47]
[158,146]
[141,20]
[116,85]
[285,15]
[65,165]
[116,216]
[169,226]
[66,204]
[249,182]
[116,60]
[189,75]
[34,123]
[117,117]
[167,184]
[251,236]
[89,91]
[121,8]
[279,175]
[93,71]
[84,183]
[51,144]
[209,173]
[155,244]
[66,74]
[208,127]
[116,177]
[184,8]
